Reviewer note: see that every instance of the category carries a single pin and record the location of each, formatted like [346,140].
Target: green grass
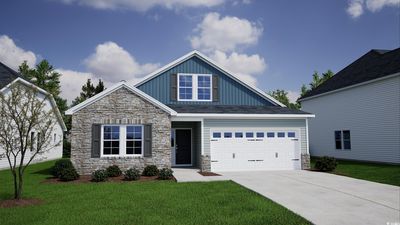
[381,173]
[156,202]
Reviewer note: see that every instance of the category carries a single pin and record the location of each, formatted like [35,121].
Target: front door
[183,147]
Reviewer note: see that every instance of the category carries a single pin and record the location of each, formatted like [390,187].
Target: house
[189,113]
[7,77]
[358,110]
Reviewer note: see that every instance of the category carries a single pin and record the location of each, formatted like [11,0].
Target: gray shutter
[147,140]
[215,89]
[174,86]
[96,137]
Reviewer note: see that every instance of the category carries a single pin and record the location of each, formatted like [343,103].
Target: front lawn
[153,202]
[381,173]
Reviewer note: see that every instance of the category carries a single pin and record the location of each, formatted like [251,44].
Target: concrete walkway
[326,198]
[192,175]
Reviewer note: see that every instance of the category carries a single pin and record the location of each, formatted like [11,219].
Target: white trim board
[213,64]
[349,87]
[51,98]
[113,88]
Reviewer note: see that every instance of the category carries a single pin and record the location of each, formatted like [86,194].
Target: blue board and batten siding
[231,92]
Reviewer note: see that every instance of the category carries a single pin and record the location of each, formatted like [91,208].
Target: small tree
[282,97]
[88,91]
[24,112]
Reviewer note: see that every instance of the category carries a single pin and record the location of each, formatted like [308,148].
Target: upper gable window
[194,87]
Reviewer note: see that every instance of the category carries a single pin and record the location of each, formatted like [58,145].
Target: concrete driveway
[325,198]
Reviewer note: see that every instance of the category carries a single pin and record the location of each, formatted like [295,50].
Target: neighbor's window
[338,139]
[194,87]
[32,140]
[134,140]
[111,140]
[346,139]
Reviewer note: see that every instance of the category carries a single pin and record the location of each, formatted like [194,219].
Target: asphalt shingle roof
[7,75]
[233,109]
[374,64]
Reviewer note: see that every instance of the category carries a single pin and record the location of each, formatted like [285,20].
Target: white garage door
[254,149]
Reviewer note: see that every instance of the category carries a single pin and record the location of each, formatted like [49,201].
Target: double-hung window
[342,140]
[194,87]
[122,140]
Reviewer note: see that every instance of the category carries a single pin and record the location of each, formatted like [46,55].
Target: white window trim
[122,141]
[194,87]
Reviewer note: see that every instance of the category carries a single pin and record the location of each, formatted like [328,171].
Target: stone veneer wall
[120,107]
[305,161]
[205,163]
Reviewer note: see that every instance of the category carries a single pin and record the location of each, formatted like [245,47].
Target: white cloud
[12,55]
[293,96]
[225,33]
[144,5]
[356,7]
[242,65]
[72,81]
[113,63]
[376,5]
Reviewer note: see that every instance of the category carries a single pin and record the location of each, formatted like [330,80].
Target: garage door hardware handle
[295,139]
[214,160]
[295,159]
[259,160]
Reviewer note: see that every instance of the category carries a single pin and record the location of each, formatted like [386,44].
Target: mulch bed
[20,203]
[208,174]
[88,179]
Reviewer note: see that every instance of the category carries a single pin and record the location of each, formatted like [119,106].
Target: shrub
[68,174]
[165,174]
[114,171]
[326,164]
[150,170]
[99,176]
[59,165]
[132,174]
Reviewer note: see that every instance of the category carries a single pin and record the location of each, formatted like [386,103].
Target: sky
[270,44]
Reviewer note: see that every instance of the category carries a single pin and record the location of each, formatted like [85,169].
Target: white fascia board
[216,66]
[181,116]
[349,87]
[113,88]
[51,98]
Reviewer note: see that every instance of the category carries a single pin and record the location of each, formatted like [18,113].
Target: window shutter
[96,137]
[215,89]
[174,86]
[147,140]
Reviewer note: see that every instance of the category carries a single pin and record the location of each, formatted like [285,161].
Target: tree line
[317,79]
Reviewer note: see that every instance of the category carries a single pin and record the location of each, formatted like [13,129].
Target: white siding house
[360,121]
[7,75]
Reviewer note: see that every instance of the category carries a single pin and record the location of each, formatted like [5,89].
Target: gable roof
[7,75]
[198,54]
[113,88]
[373,65]
[51,98]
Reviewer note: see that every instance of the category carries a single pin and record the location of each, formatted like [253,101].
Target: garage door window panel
[228,135]
[238,134]
[291,134]
[249,134]
[281,134]
[217,135]
[270,134]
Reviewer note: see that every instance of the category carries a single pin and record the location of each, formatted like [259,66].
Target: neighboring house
[358,110]
[191,113]
[7,77]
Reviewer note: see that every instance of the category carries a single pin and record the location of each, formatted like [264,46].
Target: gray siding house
[189,113]
[358,110]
